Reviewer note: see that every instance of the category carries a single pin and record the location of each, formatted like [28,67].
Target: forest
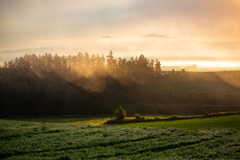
[85,84]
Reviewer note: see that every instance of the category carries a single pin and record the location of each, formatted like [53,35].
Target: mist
[84,83]
[231,78]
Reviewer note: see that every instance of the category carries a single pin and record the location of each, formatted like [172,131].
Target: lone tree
[120,113]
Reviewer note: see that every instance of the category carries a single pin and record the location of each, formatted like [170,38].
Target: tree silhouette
[120,113]
[94,84]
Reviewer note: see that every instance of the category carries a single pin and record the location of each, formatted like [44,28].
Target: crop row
[38,140]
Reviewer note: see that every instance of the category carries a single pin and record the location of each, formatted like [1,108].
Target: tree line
[91,84]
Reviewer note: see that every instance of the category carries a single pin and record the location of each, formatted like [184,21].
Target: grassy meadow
[197,124]
[208,138]
[92,120]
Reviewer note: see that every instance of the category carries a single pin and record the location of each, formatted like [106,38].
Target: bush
[143,118]
[175,117]
[120,113]
[206,114]
[138,116]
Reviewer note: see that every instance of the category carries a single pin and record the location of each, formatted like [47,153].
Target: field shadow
[56,119]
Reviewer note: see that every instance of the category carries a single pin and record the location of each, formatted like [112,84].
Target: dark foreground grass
[198,123]
[80,119]
[35,140]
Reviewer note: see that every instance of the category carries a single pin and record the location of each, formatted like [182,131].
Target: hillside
[93,84]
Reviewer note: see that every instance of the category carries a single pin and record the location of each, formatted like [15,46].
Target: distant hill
[105,37]
[90,85]
[153,35]
[213,83]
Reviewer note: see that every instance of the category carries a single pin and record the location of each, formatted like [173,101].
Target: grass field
[65,119]
[198,123]
[45,140]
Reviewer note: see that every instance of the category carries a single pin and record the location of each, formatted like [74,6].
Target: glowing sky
[203,32]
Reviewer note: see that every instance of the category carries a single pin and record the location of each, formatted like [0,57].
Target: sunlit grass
[198,123]
[99,121]
[65,119]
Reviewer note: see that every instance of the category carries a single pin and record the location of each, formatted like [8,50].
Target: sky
[177,32]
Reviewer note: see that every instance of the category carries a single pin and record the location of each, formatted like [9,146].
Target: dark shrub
[138,116]
[143,118]
[120,113]
[206,114]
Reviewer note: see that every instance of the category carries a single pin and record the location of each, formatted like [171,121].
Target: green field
[45,140]
[66,119]
[198,123]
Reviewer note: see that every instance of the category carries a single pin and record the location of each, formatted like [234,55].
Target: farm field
[198,123]
[45,140]
[71,119]
[65,119]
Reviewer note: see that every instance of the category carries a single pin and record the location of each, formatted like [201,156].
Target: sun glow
[205,65]
[212,64]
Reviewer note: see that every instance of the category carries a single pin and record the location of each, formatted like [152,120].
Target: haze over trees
[95,84]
